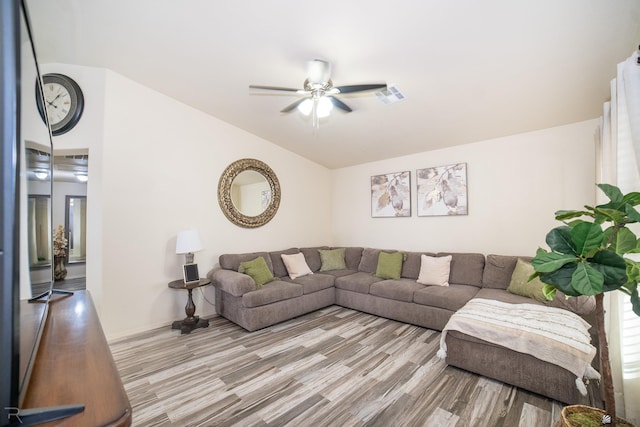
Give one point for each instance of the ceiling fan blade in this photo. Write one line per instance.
(360, 88)
(293, 106)
(286, 89)
(339, 104)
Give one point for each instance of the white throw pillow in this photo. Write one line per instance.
(434, 270)
(296, 265)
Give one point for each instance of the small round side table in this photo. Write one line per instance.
(190, 322)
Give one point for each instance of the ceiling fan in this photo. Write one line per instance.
(320, 93)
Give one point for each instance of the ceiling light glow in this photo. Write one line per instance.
(41, 174)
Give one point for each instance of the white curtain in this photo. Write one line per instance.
(618, 163)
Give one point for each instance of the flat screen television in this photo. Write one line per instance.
(26, 267)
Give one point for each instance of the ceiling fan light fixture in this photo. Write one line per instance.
(324, 107)
(318, 71)
(306, 106)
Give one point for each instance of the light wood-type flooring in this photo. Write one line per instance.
(332, 367)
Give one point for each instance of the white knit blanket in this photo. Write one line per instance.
(551, 334)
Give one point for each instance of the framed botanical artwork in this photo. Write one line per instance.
(442, 190)
(391, 195)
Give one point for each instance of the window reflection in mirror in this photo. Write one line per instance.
(76, 226)
(38, 210)
(39, 230)
(250, 193)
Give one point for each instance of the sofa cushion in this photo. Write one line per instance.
(504, 296)
(399, 290)
(411, 264)
(332, 259)
(313, 257)
(451, 297)
(232, 282)
(498, 270)
(296, 265)
(369, 261)
(258, 270)
(521, 285)
(339, 273)
(466, 268)
(356, 282)
(389, 265)
(352, 257)
(315, 282)
(232, 261)
(277, 264)
(274, 291)
(434, 270)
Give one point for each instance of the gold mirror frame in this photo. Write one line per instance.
(224, 193)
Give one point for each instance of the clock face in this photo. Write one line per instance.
(58, 101)
(61, 100)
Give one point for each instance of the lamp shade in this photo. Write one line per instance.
(188, 241)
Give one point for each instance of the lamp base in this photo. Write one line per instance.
(188, 257)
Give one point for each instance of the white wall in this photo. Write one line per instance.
(515, 184)
(161, 162)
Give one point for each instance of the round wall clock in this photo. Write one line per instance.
(63, 100)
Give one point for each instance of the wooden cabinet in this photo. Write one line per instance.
(74, 366)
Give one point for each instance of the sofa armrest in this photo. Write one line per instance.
(232, 282)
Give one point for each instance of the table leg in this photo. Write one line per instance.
(191, 322)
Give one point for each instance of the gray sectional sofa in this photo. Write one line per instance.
(472, 275)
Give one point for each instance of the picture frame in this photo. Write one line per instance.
(190, 273)
(391, 195)
(442, 190)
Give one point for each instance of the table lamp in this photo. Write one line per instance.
(187, 243)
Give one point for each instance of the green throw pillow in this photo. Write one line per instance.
(389, 265)
(520, 284)
(258, 270)
(332, 259)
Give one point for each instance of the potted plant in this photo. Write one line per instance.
(587, 257)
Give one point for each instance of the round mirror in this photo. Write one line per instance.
(249, 193)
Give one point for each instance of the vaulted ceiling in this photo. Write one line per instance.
(469, 70)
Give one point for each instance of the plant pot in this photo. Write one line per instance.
(59, 269)
(586, 416)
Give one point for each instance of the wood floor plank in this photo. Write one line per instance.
(332, 367)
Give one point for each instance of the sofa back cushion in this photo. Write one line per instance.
(466, 268)
(313, 257)
(411, 265)
(279, 269)
(232, 261)
(369, 261)
(352, 257)
(498, 270)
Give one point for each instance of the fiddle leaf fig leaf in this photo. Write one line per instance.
(624, 241)
(559, 240)
(632, 213)
(632, 198)
(612, 267)
(561, 279)
(549, 292)
(613, 215)
(586, 280)
(565, 215)
(587, 237)
(547, 262)
(635, 301)
(612, 192)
